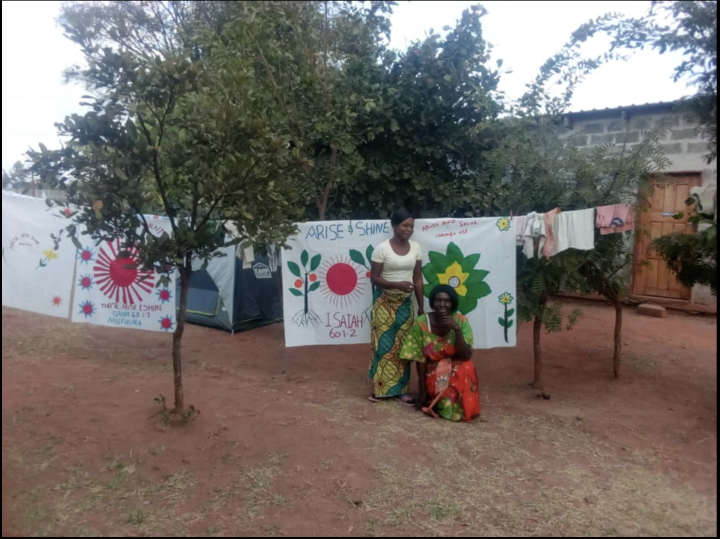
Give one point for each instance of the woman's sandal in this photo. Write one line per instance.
(407, 400)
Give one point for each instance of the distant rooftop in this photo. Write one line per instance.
(662, 106)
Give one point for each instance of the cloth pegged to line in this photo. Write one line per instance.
(615, 219)
(575, 230)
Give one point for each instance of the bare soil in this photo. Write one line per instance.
(287, 444)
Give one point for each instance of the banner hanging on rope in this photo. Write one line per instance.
(111, 290)
(38, 259)
(328, 293)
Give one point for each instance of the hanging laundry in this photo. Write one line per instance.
(706, 199)
(615, 219)
(575, 230)
(549, 247)
(534, 234)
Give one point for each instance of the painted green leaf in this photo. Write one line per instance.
(501, 321)
(476, 277)
(479, 290)
(296, 293)
(510, 323)
(315, 263)
(294, 269)
(369, 253)
(429, 273)
(438, 261)
(304, 258)
(428, 288)
(510, 313)
(357, 257)
(467, 305)
(470, 262)
(454, 254)
(314, 287)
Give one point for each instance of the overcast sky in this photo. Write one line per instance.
(525, 35)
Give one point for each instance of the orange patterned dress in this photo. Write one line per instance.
(457, 379)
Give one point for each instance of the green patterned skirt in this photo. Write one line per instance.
(392, 317)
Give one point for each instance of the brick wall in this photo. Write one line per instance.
(681, 141)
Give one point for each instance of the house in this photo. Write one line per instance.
(650, 279)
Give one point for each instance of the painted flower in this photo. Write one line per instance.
(458, 271)
(455, 277)
(50, 255)
(506, 298)
(503, 224)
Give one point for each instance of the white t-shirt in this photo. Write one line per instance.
(397, 269)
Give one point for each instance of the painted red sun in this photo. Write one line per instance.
(342, 283)
(120, 279)
(57, 301)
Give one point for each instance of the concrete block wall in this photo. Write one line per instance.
(681, 141)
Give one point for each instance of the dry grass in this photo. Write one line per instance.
(520, 475)
(519, 493)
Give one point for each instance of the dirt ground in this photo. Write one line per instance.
(287, 445)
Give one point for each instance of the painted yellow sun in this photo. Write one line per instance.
(50, 255)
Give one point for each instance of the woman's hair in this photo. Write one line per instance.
(399, 217)
(445, 289)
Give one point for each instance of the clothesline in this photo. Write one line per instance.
(549, 234)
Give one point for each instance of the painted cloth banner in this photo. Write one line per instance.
(38, 259)
(110, 290)
(328, 293)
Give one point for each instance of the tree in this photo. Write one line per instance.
(316, 60)
(191, 139)
(16, 177)
(21, 179)
(692, 257)
(432, 127)
(545, 169)
(689, 27)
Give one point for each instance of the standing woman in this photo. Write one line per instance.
(396, 274)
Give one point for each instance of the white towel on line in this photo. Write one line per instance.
(575, 230)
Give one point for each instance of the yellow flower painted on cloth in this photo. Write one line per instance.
(503, 224)
(455, 269)
(506, 322)
(455, 277)
(506, 298)
(48, 255)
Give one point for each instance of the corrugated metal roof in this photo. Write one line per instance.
(612, 110)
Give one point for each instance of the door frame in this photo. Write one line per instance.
(637, 244)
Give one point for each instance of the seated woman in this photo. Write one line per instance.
(441, 344)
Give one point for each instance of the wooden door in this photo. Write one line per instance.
(652, 276)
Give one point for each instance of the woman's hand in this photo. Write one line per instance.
(449, 322)
(406, 287)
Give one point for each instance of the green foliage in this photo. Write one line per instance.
(431, 128)
(171, 129)
(318, 62)
(692, 257)
(689, 27)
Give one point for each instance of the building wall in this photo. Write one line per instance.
(682, 144)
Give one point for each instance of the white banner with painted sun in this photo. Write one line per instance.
(328, 293)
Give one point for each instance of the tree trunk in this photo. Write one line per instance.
(537, 349)
(617, 357)
(177, 339)
(537, 331)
